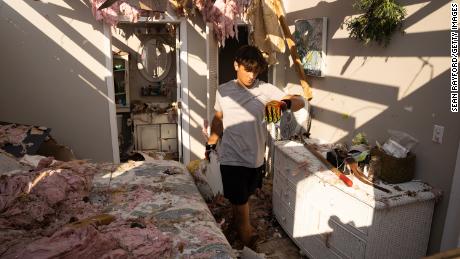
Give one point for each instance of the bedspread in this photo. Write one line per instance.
(167, 194)
(82, 210)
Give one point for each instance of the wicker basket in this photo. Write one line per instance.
(392, 169)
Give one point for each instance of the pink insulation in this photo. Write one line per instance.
(30, 197)
(13, 134)
(148, 242)
(112, 14)
(68, 242)
(36, 208)
(222, 14)
(54, 211)
(117, 240)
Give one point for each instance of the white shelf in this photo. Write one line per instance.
(121, 81)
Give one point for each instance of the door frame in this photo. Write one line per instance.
(111, 92)
(451, 234)
(183, 136)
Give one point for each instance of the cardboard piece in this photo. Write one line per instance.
(51, 148)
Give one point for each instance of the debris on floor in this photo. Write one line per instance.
(270, 233)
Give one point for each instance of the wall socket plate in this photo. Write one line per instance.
(438, 132)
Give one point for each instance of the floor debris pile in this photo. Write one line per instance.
(270, 234)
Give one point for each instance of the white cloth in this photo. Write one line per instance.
(245, 131)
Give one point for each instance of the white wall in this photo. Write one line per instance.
(451, 235)
(197, 72)
(53, 73)
(404, 86)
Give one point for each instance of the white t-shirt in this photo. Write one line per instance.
(245, 131)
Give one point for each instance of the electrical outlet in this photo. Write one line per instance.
(438, 132)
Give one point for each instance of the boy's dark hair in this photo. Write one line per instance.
(251, 59)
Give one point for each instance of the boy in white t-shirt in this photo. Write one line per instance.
(243, 107)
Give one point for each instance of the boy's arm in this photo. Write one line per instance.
(216, 132)
(297, 102)
(216, 128)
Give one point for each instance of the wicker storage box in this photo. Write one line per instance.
(392, 169)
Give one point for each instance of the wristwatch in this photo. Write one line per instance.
(288, 103)
(210, 146)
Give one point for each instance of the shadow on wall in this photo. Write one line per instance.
(414, 112)
(66, 72)
(396, 113)
(340, 10)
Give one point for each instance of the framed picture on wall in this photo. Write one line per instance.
(310, 37)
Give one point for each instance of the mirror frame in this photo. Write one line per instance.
(164, 45)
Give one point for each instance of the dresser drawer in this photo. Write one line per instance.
(284, 162)
(289, 195)
(285, 189)
(315, 247)
(340, 239)
(327, 219)
(279, 181)
(169, 145)
(354, 214)
(284, 216)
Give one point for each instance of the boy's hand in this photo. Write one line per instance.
(273, 110)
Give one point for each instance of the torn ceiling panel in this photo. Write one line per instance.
(148, 5)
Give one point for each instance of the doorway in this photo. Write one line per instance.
(147, 114)
(226, 55)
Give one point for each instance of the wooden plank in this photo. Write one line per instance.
(450, 254)
(293, 50)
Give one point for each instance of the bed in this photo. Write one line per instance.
(133, 210)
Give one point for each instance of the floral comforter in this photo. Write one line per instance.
(77, 209)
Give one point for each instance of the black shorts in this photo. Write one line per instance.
(240, 182)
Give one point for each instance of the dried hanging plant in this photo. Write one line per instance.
(380, 20)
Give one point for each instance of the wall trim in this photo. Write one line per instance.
(111, 92)
(451, 234)
(185, 109)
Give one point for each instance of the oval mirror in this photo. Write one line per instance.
(154, 59)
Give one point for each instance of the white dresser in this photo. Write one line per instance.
(327, 219)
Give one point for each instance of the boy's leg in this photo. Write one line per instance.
(243, 225)
(239, 183)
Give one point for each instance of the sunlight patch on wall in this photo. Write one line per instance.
(198, 65)
(293, 6)
(348, 109)
(406, 73)
(426, 70)
(196, 99)
(425, 22)
(59, 37)
(198, 147)
(96, 89)
(195, 118)
(197, 28)
(132, 42)
(325, 132)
